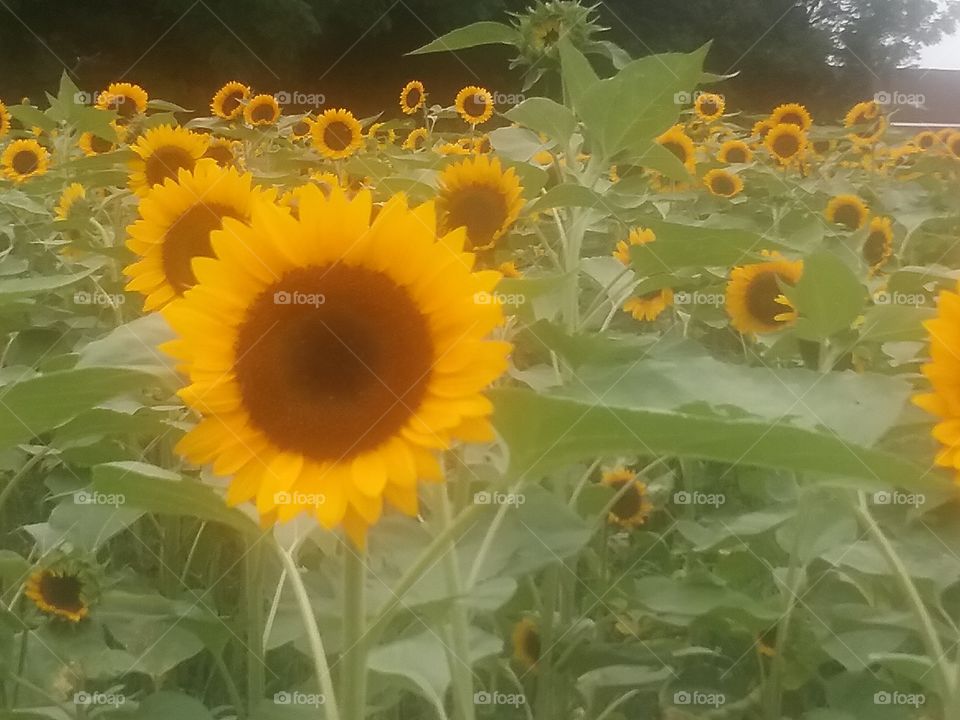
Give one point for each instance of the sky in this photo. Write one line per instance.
(944, 55)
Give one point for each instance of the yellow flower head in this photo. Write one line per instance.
(229, 100)
(709, 106)
(847, 210)
(261, 110)
(337, 134)
(479, 195)
(681, 145)
(637, 236)
(792, 114)
(474, 104)
(161, 153)
(633, 507)
(735, 152)
(754, 300)
(723, 183)
(125, 99)
(787, 143)
(412, 97)
(24, 159)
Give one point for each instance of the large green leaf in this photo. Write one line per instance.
(828, 297)
(479, 33)
(13, 288)
(545, 116)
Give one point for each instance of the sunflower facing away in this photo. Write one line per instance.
(637, 236)
(755, 302)
(847, 210)
(709, 106)
(228, 101)
(69, 197)
(477, 194)
(161, 153)
(412, 97)
(525, 639)
(878, 247)
(24, 159)
(261, 110)
(649, 306)
(474, 104)
(735, 152)
(62, 590)
(416, 139)
(723, 183)
(786, 142)
(337, 134)
(792, 114)
(4, 120)
(633, 507)
(174, 227)
(331, 357)
(125, 99)
(681, 145)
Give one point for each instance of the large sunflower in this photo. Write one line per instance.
(228, 101)
(755, 302)
(878, 247)
(636, 236)
(792, 114)
(125, 99)
(474, 104)
(337, 134)
(332, 357)
(412, 97)
(681, 145)
(847, 210)
(723, 183)
(525, 639)
(786, 142)
(161, 153)
(24, 159)
(709, 106)
(4, 120)
(174, 227)
(477, 194)
(648, 307)
(62, 589)
(735, 152)
(633, 507)
(261, 110)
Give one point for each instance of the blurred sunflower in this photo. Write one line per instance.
(68, 198)
(482, 145)
(474, 104)
(861, 113)
(792, 114)
(866, 123)
(723, 183)
(633, 508)
(649, 306)
(709, 106)
(228, 101)
(337, 134)
(878, 247)
(261, 110)
(636, 236)
(735, 152)
(92, 144)
(416, 139)
(453, 148)
(526, 644)
(4, 120)
(24, 159)
(823, 147)
(755, 302)
(509, 270)
(787, 143)
(680, 145)
(331, 358)
(301, 128)
(925, 140)
(63, 588)
(161, 152)
(953, 144)
(223, 151)
(412, 97)
(174, 227)
(761, 128)
(125, 99)
(847, 210)
(479, 195)
(381, 135)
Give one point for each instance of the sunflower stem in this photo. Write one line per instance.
(353, 688)
(253, 576)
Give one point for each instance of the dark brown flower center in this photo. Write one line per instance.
(531, 645)
(875, 248)
(337, 136)
(125, 107)
(761, 297)
(678, 150)
(709, 108)
(25, 162)
(479, 208)
(926, 141)
(263, 112)
(475, 105)
(786, 146)
(793, 118)
(189, 238)
(631, 502)
(165, 162)
(100, 145)
(64, 592)
(723, 185)
(413, 97)
(231, 102)
(301, 128)
(736, 154)
(221, 153)
(848, 215)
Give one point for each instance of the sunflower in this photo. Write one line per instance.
(709, 106)
(331, 358)
(337, 134)
(823, 147)
(648, 307)
(735, 152)
(761, 128)
(160, 154)
(474, 104)
(878, 247)
(24, 159)
(479, 195)
(92, 144)
(861, 113)
(723, 183)
(412, 97)
(301, 128)
(681, 145)
(174, 227)
(787, 143)
(755, 302)
(847, 210)
(261, 110)
(416, 139)
(73, 193)
(4, 120)
(923, 140)
(223, 151)
(526, 644)
(453, 148)
(381, 135)
(125, 99)
(866, 122)
(792, 114)
(62, 589)
(953, 144)
(229, 100)
(633, 507)
(482, 145)
(637, 236)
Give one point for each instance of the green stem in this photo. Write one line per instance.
(253, 576)
(545, 710)
(231, 686)
(353, 687)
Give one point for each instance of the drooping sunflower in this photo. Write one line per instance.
(479, 195)
(709, 106)
(723, 183)
(525, 639)
(337, 134)
(223, 151)
(24, 159)
(861, 113)
(637, 236)
(174, 227)
(847, 210)
(92, 144)
(412, 97)
(330, 357)
(923, 140)
(633, 508)
(301, 128)
(754, 300)
(474, 104)
(228, 101)
(63, 589)
(4, 120)
(735, 152)
(125, 99)
(878, 247)
(649, 306)
(261, 110)
(73, 193)
(787, 143)
(681, 145)
(161, 153)
(792, 114)
(416, 139)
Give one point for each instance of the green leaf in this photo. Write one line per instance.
(134, 345)
(20, 287)
(167, 704)
(828, 297)
(30, 116)
(578, 75)
(545, 116)
(478, 33)
(893, 323)
(570, 195)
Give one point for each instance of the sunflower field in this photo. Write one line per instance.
(600, 401)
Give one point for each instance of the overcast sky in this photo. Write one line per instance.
(944, 55)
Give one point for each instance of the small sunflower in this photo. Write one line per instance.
(63, 589)
(337, 134)
(953, 144)
(229, 100)
(923, 140)
(412, 97)
(648, 307)
(787, 143)
(125, 99)
(4, 120)
(633, 507)
(331, 358)
(416, 139)
(681, 145)
(861, 113)
(381, 135)
(866, 122)
(92, 144)
(24, 159)
(709, 106)
(878, 247)
(792, 114)
(261, 110)
(637, 236)
(723, 183)
(526, 644)
(161, 153)
(223, 151)
(474, 104)
(847, 210)
(73, 193)
(735, 152)
(479, 195)
(755, 302)
(482, 145)
(761, 128)
(823, 147)
(301, 128)
(176, 220)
